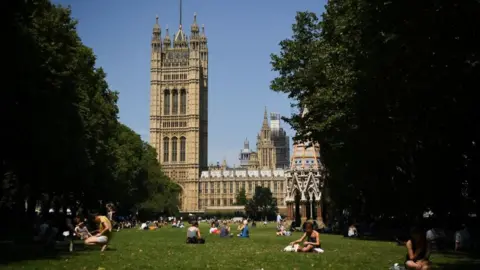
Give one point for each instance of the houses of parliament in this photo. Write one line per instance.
(179, 129)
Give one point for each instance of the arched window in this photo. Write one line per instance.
(166, 145)
(174, 149)
(175, 102)
(183, 101)
(166, 102)
(183, 146)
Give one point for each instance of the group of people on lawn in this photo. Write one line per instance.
(418, 249)
(417, 257)
(103, 235)
(194, 236)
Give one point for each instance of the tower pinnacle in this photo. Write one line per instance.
(265, 118)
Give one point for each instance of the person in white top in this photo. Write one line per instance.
(462, 239)
(81, 231)
(352, 231)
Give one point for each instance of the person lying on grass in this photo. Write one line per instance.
(104, 233)
(311, 237)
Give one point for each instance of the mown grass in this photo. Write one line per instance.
(166, 249)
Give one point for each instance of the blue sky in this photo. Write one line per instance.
(241, 36)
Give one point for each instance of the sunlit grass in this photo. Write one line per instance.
(166, 249)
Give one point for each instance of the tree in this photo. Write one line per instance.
(65, 146)
(262, 204)
(389, 88)
(241, 198)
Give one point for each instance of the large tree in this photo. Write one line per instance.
(241, 198)
(389, 87)
(62, 142)
(262, 204)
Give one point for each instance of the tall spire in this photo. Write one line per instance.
(265, 119)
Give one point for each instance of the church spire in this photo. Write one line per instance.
(265, 119)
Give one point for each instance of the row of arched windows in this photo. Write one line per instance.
(172, 98)
(171, 151)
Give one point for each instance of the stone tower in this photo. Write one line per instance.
(266, 150)
(179, 106)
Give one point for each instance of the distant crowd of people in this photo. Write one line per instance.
(419, 243)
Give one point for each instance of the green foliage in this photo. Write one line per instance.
(241, 198)
(262, 204)
(389, 87)
(63, 142)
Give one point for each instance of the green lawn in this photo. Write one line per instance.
(166, 249)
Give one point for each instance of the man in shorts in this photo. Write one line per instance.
(104, 233)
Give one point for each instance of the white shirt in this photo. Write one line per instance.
(279, 218)
(463, 238)
(434, 234)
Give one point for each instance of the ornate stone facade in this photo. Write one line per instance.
(179, 106)
(219, 186)
(179, 128)
(305, 181)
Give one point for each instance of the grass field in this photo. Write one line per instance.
(166, 249)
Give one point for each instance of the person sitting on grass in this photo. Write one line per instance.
(352, 231)
(281, 231)
(104, 233)
(193, 235)
(214, 229)
(417, 251)
(244, 231)
(81, 230)
(311, 237)
(225, 230)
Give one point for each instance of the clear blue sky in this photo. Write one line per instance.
(241, 36)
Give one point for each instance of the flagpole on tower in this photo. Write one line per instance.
(180, 13)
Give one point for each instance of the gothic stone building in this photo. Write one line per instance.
(219, 186)
(179, 128)
(179, 106)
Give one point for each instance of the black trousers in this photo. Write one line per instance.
(195, 240)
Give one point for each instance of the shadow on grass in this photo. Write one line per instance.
(10, 252)
(463, 265)
(458, 260)
(460, 263)
(473, 255)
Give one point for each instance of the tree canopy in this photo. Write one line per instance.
(262, 204)
(389, 87)
(241, 198)
(61, 140)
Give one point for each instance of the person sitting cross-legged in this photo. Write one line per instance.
(311, 237)
(104, 233)
(417, 251)
(244, 231)
(281, 230)
(193, 235)
(225, 230)
(81, 230)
